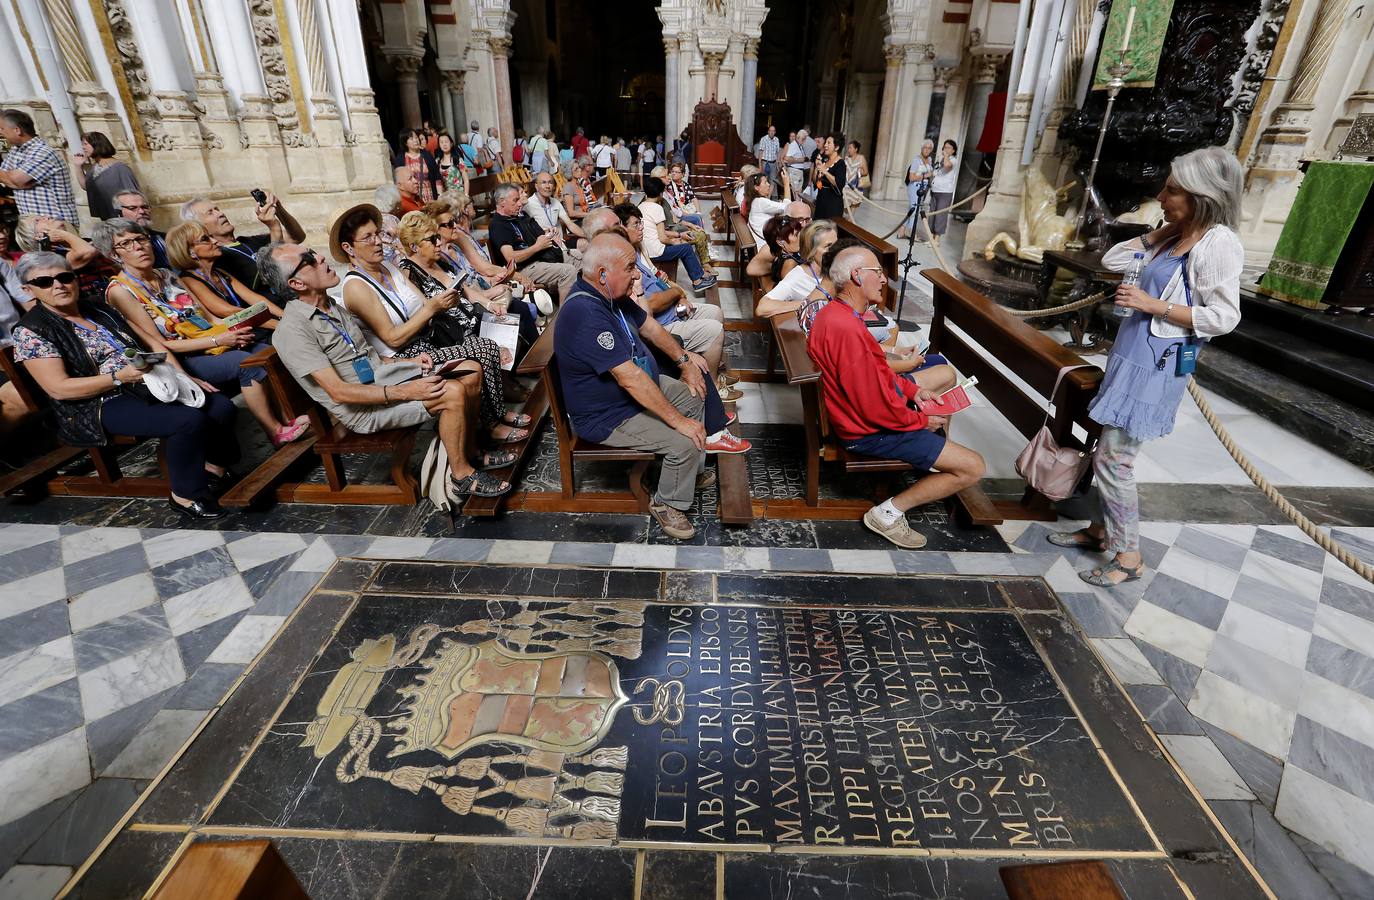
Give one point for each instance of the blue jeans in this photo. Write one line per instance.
(694, 219)
(685, 254)
(222, 369)
(770, 169)
(194, 436)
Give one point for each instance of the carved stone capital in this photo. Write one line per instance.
(500, 45)
(454, 79)
(713, 60)
(920, 53)
(985, 72)
(361, 100)
(405, 63)
(90, 99)
(751, 48)
(324, 107)
(894, 53)
(942, 76)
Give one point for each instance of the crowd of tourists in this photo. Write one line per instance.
(138, 332)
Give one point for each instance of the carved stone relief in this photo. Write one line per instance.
(263, 15)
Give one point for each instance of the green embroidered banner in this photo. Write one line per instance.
(1328, 202)
(1148, 31)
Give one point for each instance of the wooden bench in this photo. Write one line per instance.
(231, 870)
(987, 333)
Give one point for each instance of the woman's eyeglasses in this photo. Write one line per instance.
(431, 239)
(43, 282)
(445, 224)
(204, 239)
(308, 258)
(131, 243)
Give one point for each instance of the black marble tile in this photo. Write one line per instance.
(61, 510)
(260, 578)
(84, 824)
(348, 575)
(120, 636)
(678, 875)
(420, 520)
(31, 560)
(108, 736)
(16, 836)
(128, 866)
(1177, 673)
(1163, 710)
(1029, 593)
(881, 590)
(688, 587)
(196, 646)
(503, 580)
(194, 571)
(206, 686)
(548, 526)
(385, 870)
(183, 796)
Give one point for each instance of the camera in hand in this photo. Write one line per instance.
(45, 244)
(259, 196)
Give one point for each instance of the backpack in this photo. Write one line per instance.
(484, 158)
(517, 153)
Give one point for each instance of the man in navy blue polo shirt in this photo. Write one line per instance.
(612, 387)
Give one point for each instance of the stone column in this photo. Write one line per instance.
(825, 105)
(93, 106)
(671, 58)
(1000, 212)
(454, 79)
(951, 124)
(691, 90)
(1282, 143)
(534, 94)
(860, 108)
(505, 110)
(18, 87)
(748, 100)
(983, 78)
(370, 159)
(712, 61)
(405, 62)
(882, 153)
(920, 58)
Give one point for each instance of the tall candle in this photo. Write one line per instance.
(1130, 21)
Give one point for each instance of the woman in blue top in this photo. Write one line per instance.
(1189, 292)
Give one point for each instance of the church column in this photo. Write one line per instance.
(691, 90)
(671, 61)
(712, 60)
(505, 109)
(454, 80)
(748, 100)
(920, 60)
(93, 107)
(370, 160)
(534, 94)
(20, 86)
(882, 153)
(1282, 143)
(983, 78)
(405, 62)
(951, 123)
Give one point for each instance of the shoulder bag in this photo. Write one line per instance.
(1048, 468)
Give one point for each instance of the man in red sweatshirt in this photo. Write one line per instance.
(871, 409)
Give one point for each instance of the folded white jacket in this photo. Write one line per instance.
(171, 385)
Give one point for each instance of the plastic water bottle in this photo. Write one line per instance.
(1132, 278)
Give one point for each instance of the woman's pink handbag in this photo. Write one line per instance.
(1050, 469)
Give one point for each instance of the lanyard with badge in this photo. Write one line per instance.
(158, 299)
(391, 298)
(1185, 361)
(105, 335)
(641, 359)
(362, 366)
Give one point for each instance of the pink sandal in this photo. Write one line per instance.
(288, 433)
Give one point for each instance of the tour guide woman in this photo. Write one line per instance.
(1189, 291)
(75, 351)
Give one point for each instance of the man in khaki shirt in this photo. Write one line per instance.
(323, 348)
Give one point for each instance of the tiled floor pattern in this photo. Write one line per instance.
(1250, 653)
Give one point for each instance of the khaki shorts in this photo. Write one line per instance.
(394, 415)
(701, 330)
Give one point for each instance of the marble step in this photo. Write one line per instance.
(1349, 333)
(1320, 418)
(1310, 360)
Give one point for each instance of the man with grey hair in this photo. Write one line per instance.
(238, 257)
(545, 209)
(613, 391)
(325, 350)
(798, 161)
(516, 237)
(875, 413)
(134, 206)
(38, 176)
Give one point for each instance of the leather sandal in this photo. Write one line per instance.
(514, 436)
(517, 420)
(498, 459)
(1077, 539)
(1099, 577)
(479, 484)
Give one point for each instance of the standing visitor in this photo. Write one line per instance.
(420, 162)
(918, 176)
(102, 176)
(942, 187)
(798, 162)
(830, 177)
(603, 156)
(34, 171)
(767, 152)
(452, 176)
(856, 180)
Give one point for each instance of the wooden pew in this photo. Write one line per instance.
(1034, 357)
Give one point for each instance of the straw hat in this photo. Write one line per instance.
(335, 244)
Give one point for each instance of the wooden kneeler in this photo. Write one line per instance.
(231, 870)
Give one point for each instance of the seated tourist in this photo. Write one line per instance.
(680, 196)
(134, 206)
(401, 322)
(516, 237)
(93, 270)
(871, 410)
(548, 212)
(325, 350)
(238, 259)
(696, 235)
(758, 204)
(781, 250)
(614, 392)
(662, 245)
(165, 315)
(578, 196)
(746, 172)
(415, 156)
(387, 198)
(700, 327)
(409, 188)
(195, 256)
(75, 351)
(797, 285)
(14, 302)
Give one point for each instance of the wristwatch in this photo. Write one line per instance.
(114, 378)
(682, 360)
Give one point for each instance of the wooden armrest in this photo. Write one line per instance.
(261, 358)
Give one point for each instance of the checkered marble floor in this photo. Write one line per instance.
(1248, 651)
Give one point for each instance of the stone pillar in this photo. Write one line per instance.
(671, 61)
(534, 94)
(920, 58)
(93, 107)
(951, 124)
(825, 105)
(860, 110)
(748, 99)
(712, 61)
(505, 110)
(984, 76)
(370, 156)
(454, 80)
(691, 90)
(1282, 143)
(18, 84)
(882, 153)
(1001, 210)
(405, 62)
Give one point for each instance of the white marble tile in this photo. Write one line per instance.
(1163, 532)
(318, 557)
(1327, 815)
(986, 430)
(210, 603)
(1348, 630)
(174, 545)
(21, 537)
(1126, 661)
(1170, 632)
(263, 548)
(132, 678)
(645, 556)
(34, 882)
(878, 562)
(96, 541)
(249, 636)
(1285, 458)
(1200, 573)
(534, 553)
(747, 559)
(1338, 708)
(1266, 634)
(1285, 576)
(751, 408)
(36, 669)
(111, 601)
(1063, 578)
(151, 748)
(1243, 713)
(41, 774)
(1012, 530)
(399, 548)
(1235, 532)
(30, 593)
(1335, 569)
(1206, 768)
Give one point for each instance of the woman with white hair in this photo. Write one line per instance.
(1188, 292)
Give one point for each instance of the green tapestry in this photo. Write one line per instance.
(1329, 200)
(1147, 41)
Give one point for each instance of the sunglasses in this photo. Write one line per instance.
(445, 224)
(308, 258)
(431, 239)
(43, 282)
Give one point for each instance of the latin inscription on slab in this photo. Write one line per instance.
(725, 724)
